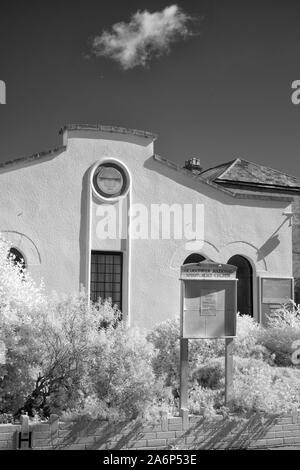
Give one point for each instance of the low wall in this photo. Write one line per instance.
(258, 431)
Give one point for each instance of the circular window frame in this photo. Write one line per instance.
(101, 195)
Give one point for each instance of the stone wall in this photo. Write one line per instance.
(258, 431)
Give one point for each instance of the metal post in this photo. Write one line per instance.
(184, 374)
(228, 370)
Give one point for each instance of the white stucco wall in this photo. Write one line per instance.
(48, 212)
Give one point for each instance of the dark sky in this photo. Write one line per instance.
(222, 94)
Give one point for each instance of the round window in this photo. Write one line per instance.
(110, 180)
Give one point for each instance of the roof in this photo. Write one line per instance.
(35, 156)
(239, 193)
(237, 178)
(114, 129)
(78, 127)
(212, 173)
(241, 173)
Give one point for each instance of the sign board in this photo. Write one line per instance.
(208, 311)
(207, 270)
(274, 293)
(209, 305)
(275, 290)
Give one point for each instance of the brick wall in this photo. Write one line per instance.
(258, 431)
(8, 436)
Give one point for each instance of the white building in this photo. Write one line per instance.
(58, 210)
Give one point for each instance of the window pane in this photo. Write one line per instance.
(106, 277)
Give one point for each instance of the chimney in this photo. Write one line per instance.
(194, 165)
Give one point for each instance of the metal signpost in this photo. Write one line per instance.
(208, 311)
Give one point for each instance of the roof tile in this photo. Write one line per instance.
(244, 172)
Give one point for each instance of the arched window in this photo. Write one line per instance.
(194, 258)
(18, 257)
(244, 286)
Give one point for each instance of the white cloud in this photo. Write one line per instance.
(146, 36)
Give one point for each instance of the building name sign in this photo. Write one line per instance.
(195, 273)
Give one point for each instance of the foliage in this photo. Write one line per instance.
(261, 387)
(58, 354)
(76, 358)
(72, 357)
(210, 375)
(18, 291)
(6, 418)
(20, 299)
(165, 339)
(282, 330)
(120, 372)
(205, 401)
(257, 386)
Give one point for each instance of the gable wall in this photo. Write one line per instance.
(47, 204)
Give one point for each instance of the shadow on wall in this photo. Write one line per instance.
(229, 434)
(201, 433)
(117, 435)
(84, 220)
(270, 245)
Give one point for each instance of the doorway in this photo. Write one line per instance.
(194, 258)
(245, 284)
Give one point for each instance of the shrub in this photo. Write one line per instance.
(261, 387)
(65, 355)
(20, 300)
(257, 387)
(67, 330)
(165, 339)
(210, 375)
(247, 342)
(205, 401)
(56, 353)
(18, 292)
(258, 384)
(121, 373)
(6, 418)
(282, 330)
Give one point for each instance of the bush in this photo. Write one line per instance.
(18, 292)
(210, 375)
(282, 330)
(68, 356)
(59, 354)
(6, 418)
(121, 374)
(258, 384)
(165, 339)
(257, 387)
(205, 401)
(261, 387)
